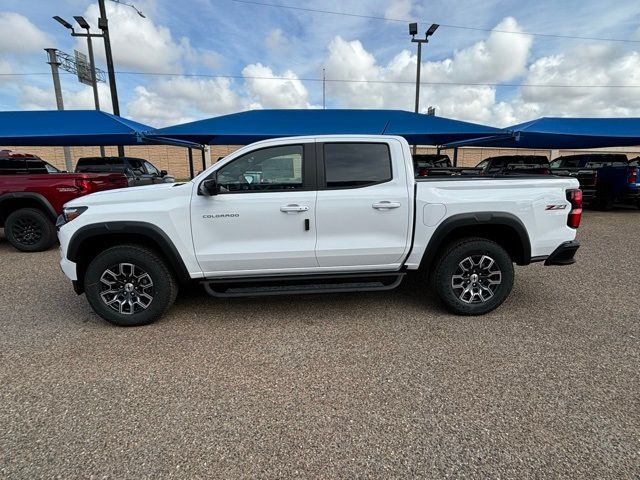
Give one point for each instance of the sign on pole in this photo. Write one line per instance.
(83, 68)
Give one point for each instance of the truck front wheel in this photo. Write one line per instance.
(473, 276)
(129, 285)
(30, 230)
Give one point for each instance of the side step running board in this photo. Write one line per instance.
(302, 284)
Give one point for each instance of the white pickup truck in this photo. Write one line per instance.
(315, 214)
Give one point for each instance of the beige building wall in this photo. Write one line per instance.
(175, 159)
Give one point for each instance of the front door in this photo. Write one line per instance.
(363, 212)
(261, 220)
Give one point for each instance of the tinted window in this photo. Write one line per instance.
(35, 165)
(12, 166)
(356, 164)
(267, 169)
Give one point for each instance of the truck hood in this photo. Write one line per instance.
(144, 193)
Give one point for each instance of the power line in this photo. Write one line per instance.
(342, 80)
(460, 27)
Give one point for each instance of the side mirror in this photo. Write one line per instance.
(163, 173)
(208, 187)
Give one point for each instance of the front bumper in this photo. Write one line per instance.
(564, 254)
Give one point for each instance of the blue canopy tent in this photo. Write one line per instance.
(251, 126)
(563, 133)
(69, 128)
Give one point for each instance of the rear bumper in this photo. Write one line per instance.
(631, 195)
(564, 254)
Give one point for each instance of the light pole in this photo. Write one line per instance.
(92, 65)
(413, 31)
(103, 24)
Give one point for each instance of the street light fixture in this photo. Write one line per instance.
(63, 22)
(413, 31)
(130, 5)
(92, 64)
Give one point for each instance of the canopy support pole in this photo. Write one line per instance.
(191, 164)
(204, 160)
(455, 156)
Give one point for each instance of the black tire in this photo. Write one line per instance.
(30, 230)
(485, 294)
(126, 288)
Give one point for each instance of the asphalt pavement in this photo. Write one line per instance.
(376, 385)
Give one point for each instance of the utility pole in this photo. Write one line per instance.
(413, 31)
(324, 81)
(103, 24)
(53, 61)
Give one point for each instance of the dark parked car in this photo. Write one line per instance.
(515, 164)
(615, 179)
(137, 170)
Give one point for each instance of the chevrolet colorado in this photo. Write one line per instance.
(315, 214)
(32, 193)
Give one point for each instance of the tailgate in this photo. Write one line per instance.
(106, 181)
(586, 177)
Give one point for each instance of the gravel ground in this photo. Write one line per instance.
(353, 385)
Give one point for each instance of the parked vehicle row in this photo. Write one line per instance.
(313, 215)
(604, 178)
(33, 192)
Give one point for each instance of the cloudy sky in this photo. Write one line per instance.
(192, 59)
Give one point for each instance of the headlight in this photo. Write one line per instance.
(71, 213)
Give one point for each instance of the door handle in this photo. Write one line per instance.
(386, 205)
(294, 208)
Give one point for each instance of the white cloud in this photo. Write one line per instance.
(140, 44)
(36, 98)
(18, 35)
(286, 92)
(399, 9)
(277, 41)
(181, 99)
(592, 67)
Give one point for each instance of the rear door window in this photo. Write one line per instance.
(354, 165)
(36, 165)
(13, 166)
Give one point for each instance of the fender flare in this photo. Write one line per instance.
(477, 219)
(41, 199)
(153, 232)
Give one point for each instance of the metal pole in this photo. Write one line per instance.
(417, 109)
(103, 24)
(191, 175)
(53, 61)
(204, 160)
(324, 78)
(94, 81)
(455, 156)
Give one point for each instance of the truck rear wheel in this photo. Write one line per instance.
(129, 285)
(473, 276)
(30, 230)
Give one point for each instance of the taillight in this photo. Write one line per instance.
(633, 174)
(574, 196)
(424, 172)
(546, 171)
(84, 186)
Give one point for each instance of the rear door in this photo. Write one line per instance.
(363, 214)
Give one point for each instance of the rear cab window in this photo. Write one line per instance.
(356, 165)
